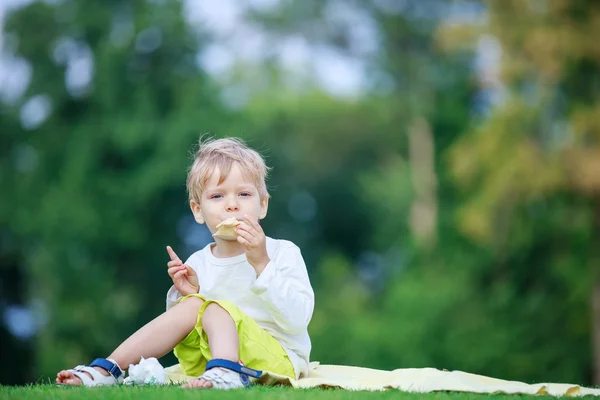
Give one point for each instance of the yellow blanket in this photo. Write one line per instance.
(420, 380)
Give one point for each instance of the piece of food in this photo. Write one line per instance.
(226, 229)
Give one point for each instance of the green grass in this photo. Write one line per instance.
(46, 391)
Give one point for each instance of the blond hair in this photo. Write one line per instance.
(220, 154)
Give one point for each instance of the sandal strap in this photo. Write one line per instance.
(109, 365)
(227, 364)
(78, 371)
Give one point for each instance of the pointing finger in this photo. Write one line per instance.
(172, 254)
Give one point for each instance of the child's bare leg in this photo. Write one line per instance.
(223, 338)
(159, 336)
(155, 339)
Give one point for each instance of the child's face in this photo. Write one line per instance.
(234, 197)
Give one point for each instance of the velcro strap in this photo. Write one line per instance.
(109, 366)
(219, 362)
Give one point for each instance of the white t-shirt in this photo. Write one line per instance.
(281, 300)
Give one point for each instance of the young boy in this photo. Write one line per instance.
(241, 304)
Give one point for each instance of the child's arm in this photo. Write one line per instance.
(281, 283)
(285, 288)
(185, 279)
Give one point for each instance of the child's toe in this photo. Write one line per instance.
(196, 383)
(67, 378)
(62, 376)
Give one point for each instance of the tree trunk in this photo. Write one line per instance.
(424, 210)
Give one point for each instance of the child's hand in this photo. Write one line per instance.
(184, 277)
(251, 235)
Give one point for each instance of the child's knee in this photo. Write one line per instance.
(193, 302)
(213, 311)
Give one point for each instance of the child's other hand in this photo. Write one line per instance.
(184, 277)
(251, 235)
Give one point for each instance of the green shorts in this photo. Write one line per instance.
(258, 349)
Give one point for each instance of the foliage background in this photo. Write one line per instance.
(438, 163)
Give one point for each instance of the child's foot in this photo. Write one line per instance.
(220, 378)
(66, 377)
(198, 383)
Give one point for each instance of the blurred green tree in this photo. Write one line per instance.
(532, 173)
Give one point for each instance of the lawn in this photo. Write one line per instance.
(47, 392)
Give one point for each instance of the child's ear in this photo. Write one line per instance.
(264, 206)
(197, 211)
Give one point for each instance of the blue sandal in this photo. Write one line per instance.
(225, 374)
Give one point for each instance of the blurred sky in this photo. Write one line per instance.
(236, 37)
(235, 40)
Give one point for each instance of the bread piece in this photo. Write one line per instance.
(226, 229)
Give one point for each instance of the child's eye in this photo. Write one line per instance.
(215, 196)
(245, 194)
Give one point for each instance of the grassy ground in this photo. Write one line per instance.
(45, 392)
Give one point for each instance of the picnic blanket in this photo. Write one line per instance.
(421, 380)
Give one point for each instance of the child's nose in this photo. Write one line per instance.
(232, 205)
